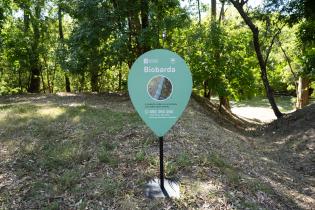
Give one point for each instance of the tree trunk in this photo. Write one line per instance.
(213, 10)
(264, 77)
(94, 80)
(119, 80)
(61, 37)
(53, 77)
(144, 24)
(129, 60)
(224, 101)
(207, 91)
(48, 82)
(205, 88)
(47, 75)
(20, 80)
(302, 93)
(60, 27)
(34, 86)
(222, 12)
(262, 63)
(290, 66)
(67, 80)
(199, 12)
(43, 81)
(82, 82)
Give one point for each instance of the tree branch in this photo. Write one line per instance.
(271, 44)
(288, 60)
(263, 70)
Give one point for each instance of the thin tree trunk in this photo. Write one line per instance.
(82, 81)
(129, 62)
(61, 37)
(26, 21)
(224, 101)
(34, 86)
(289, 63)
(213, 10)
(199, 12)
(94, 82)
(48, 81)
(262, 63)
(20, 80)
(94, 77)
(119, 80)
(43, 82)
(302, 94)
(60, 27)
(53, 77)
(34, 79)
(206, 90)
(145, 24)
(222, 12)
(67, 81)
(290, 67)
(47, 75)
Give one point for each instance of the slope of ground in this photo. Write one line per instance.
(293, 138)
(93, 151)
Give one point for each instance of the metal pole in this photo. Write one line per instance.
(161, 164)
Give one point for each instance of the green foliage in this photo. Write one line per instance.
(306, 37)
(221, 56)
(301, 14)
(103, 38)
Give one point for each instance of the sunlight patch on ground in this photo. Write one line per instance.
(52, 112)
(76, 104)
(262, 114)
(65, 94)
(302, 200)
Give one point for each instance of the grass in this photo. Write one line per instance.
(52, 206)
(56, 142)
(231, 173)
(235, 178)
(68, 179)
(284, 103)
(105, 153)
(88, 157)
(140, 155)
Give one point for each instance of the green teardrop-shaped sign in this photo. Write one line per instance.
(159, 85)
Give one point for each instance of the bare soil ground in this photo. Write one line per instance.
(85, 151)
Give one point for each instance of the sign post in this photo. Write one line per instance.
(159, 85)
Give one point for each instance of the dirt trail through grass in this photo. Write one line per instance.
(93, 151)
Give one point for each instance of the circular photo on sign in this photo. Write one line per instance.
(160, 88)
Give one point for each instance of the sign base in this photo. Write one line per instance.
(153, 189)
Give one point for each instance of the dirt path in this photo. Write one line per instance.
(264, 115)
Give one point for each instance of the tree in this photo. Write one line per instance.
(239, 5)
(35, 68)
(61, 37)
(301, 13)
(306, 35)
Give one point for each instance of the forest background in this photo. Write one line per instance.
(236, 49)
